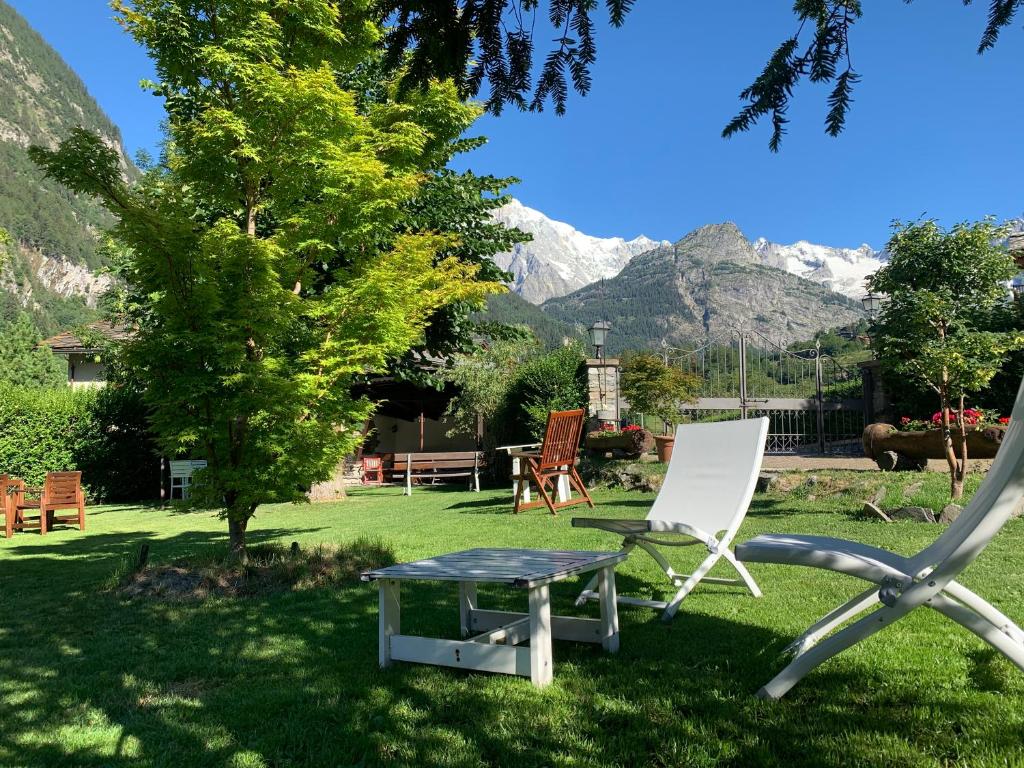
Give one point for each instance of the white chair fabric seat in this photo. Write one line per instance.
(707, 491)
(849, 557)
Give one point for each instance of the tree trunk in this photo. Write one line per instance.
(957, 485)
(947, 440)
(236, 534)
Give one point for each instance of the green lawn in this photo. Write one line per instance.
(88, 678)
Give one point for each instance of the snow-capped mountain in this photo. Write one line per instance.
(560, 259)
(843, 270)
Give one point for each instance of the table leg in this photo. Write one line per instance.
(517, 465)
(609, 609)
(541, 668)
(390, 619)
(564, 493)
(467, 602)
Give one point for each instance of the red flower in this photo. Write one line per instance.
(904, 420)
(1004, 419)
(632, 428)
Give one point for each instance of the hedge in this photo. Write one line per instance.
(101, 432)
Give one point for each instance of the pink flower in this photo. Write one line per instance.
(904, 420)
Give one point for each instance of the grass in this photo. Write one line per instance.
(290, 678)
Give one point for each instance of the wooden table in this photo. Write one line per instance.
(492, 637)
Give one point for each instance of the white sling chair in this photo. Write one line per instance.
(901, 584)
(707, 490)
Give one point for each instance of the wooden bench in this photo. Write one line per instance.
(438, 466)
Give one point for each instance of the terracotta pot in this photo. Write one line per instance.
(665, 444)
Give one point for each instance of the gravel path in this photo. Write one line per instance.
(856, 463)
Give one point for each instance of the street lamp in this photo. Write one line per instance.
(872, 303)
(598, 335)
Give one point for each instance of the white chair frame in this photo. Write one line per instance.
(701, 490)
(901, 584)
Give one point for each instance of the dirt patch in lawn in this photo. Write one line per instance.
(270, 568)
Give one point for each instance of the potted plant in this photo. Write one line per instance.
(651, 386)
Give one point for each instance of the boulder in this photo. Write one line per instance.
(891, 461)
(766, 481)
(874, 512)
(949, 513)
(918, 514)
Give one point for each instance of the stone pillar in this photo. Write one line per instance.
(877, 406)
(604, 402)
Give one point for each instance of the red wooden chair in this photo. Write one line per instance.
(373, 470)
(7, 503)
(556, 459)
(60, 491)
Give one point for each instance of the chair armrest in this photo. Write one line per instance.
(621, 527)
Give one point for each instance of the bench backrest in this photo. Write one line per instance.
(439, 460)
(561, 438)
(63, 487)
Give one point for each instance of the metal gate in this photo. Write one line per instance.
(814, 404)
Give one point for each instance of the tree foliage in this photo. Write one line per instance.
(512, 384)
(650, 386)
(22, 361)
(944, 287)
(473, 41)
(265, 257)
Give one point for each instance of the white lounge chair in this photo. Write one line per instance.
(707, 490)
(901, 584)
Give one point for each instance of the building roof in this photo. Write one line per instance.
(68, 342)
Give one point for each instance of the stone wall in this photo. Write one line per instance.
(605, 401)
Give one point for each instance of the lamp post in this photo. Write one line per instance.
(598, 336)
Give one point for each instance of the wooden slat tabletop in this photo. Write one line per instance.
(518, 567)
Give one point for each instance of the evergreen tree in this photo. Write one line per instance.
(476, 40)
(22, 361)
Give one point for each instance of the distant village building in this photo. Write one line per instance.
(86, 367)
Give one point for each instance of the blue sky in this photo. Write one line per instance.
(936, 130)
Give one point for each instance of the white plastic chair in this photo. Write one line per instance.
(901, 584)
(706, 492)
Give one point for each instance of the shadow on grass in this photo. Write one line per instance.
(292, 679)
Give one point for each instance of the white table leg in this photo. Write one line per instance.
(609, 609)
(390, 611)
(516, 468)
(563, 487)
(467, 602)
(541, 667)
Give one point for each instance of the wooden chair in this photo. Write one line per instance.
(373, 470)
(60, 491)
(555, 460)
(7, 503)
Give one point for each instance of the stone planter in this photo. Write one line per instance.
(630, 444)
(892, 449)
(665, 443)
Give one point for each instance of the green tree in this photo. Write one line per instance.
(484, 377)
(552, 381)
(263, 261)
(473, 41)
(22, 361)
(944, 287)
(651, 386)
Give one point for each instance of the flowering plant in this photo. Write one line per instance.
(973, 417)
(632, 428)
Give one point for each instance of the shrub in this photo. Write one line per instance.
(554, 381)
(100, 432)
